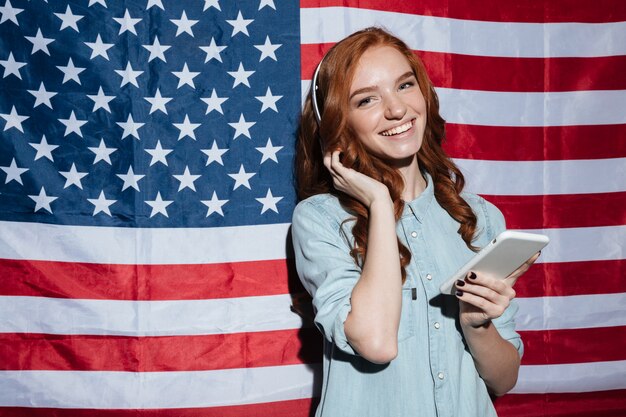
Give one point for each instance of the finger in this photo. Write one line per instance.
(523, 267)
(327, 161)
(335, 162)
(491, 310)
(493, 290)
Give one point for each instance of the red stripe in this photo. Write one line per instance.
(94, 281)
(535, 143)
(294, 408)
(489, 73)
(573, 345)
(494, 10)
(147, 282)
(579, 404)
(23, 351)
(562, 211)
(573, 278)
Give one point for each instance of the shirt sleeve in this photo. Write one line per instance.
(494, 225)
(326, 269)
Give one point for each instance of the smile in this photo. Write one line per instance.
(398, 129)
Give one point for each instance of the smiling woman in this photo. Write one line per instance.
(382, 223)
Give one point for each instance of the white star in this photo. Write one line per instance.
(127, 23)
(184, 24)
(158, 102)
(130, 179)
(186, 128)
(211, 3)
(156, 50)
(13, 173)
(269, 151)
(69, 19)
(73, 177)
(158, 154)
(130, 127)
(241, 75)
(92, 2)
(44, 149)
(214, 205)
(70, 72)
(100, 100)
(159, 205)
(212, 51)
(39, 42)
(268, 50)
(42, 96)
(186, 180)
(242, 127)
(264, 3)
(185, 77)
(11, 66)
(13, 120)
(269, 101)
(9, 13)
(269, 202)
(42, 201)
(73, 125)
(240, 25)
(214, 102)
(214, 154)
(99, 48)
(101, 204)
(157, 3)
(102, 153)
(242, 178)
(128, 75)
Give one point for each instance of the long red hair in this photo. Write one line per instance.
(332, 132)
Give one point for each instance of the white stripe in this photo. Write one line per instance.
(579, 244)
(122, 245)
(254, 314)
(586, 176)
(470, 37)
(146, 318)
(571, 312)
(104, 245)
(495, 108)
(577, 377)
(130, 390)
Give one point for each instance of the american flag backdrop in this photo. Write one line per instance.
(146, 190)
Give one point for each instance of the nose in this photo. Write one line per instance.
(395, 107)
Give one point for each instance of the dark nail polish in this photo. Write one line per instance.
(459, 293)
(472, 275)
(460, 283)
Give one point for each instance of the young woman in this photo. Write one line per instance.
(382, 223)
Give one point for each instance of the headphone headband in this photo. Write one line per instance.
(314, 88)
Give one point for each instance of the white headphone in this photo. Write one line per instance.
(314, 88)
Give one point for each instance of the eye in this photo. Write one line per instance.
(406, 85)
(364, 102)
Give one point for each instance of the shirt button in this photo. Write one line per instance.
(429, 277)
(440, 375)
(437, 325)
(413, 234)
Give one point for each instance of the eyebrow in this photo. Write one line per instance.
(372, 88)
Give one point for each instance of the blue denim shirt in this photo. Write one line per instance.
(433, 373)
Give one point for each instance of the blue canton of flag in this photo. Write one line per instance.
(149, 113)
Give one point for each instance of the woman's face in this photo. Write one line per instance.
(387, 110)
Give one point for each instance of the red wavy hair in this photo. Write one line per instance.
(334, 82)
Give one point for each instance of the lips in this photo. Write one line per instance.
(398, 129)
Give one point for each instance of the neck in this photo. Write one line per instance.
(414, 182)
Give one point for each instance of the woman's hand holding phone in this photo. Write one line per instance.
(365, 189)
(483, 298)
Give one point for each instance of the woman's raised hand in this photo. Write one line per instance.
(484, 298)
(357, 185)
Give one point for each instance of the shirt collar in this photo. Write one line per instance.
(419, 206)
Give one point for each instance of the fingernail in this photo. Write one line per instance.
(460, 283)
(472, 275)
(459, 293)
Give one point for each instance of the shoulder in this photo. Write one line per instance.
(321, 206)
(490, 219)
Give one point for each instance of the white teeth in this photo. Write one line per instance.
(398, 129)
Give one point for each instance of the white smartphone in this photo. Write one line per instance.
(503, 255)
